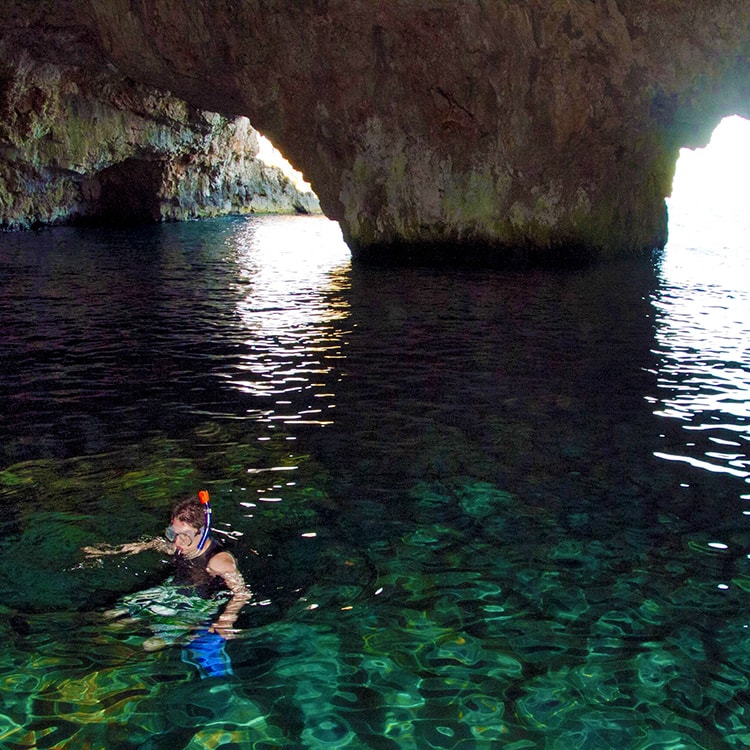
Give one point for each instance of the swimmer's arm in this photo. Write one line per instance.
(224, 565)
(131, 548)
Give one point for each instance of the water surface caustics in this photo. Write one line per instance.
(476, 508)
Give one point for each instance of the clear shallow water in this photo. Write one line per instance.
(477, 509)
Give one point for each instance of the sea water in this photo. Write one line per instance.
(477, 508)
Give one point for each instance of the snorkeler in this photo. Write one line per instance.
(204, 573)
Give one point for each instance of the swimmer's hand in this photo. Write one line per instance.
(108, 549)
(224, 627)
(224, 565)
(131, 548)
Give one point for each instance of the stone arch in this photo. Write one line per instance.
(539, 127)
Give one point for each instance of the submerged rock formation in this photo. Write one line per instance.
(532, 125)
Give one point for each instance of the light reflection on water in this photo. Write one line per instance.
(703, 341)
(477, 509)
(289, 296)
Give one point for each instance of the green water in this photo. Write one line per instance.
(477, 509)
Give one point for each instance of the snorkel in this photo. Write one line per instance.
(203, 497)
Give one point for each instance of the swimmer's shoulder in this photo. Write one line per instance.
(222, 562)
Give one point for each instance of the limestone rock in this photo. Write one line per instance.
(537, 126)
(80, 143)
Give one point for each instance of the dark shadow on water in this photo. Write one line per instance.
(479, 256)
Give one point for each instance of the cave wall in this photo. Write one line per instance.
(531, 126)
(81, 142)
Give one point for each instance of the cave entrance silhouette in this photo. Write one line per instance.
(271, 156)
(711, 191)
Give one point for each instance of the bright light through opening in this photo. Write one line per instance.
(701, 323)
(709, 202)
(270, 155)
(716, 178)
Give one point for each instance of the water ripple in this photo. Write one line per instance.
(703, 340)
(476, 509)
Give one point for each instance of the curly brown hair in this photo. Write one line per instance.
(191, 511)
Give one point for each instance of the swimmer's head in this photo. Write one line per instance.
(190, 511)
(191, 523)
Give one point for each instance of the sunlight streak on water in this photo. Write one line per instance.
(290, 279)
(703, 328)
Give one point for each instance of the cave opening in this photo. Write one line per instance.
(708, 206)
(270, 155)
(704, 272)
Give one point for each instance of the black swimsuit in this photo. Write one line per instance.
(193, 578)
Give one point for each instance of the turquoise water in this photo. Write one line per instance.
(477, 509)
